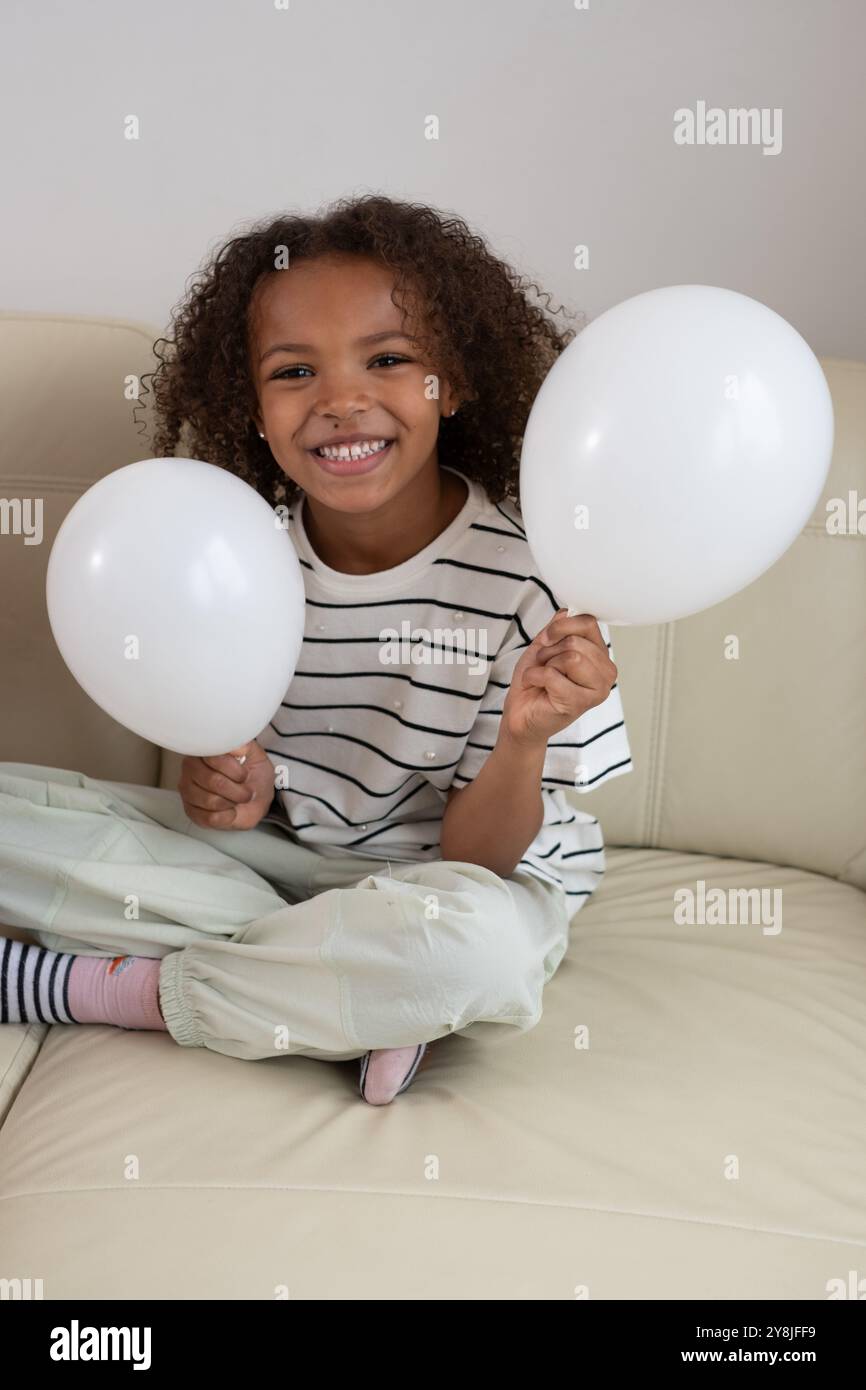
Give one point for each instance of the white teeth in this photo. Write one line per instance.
(352, 451)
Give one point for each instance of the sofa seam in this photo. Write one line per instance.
(32, 1029)
(448, 1196)
(654, 769)
(665, 685)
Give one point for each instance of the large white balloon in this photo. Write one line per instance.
(676, 449)
(176, 599)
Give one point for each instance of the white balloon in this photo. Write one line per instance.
(695, 426)
(176, 598)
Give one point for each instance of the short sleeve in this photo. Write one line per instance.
(594, 748)
(580, 757)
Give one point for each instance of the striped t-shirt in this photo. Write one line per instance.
(398, 692)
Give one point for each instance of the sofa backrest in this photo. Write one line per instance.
(66, 424)
(762, 757)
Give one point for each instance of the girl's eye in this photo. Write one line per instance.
(392, 357)
(285, 372)
(381, 358)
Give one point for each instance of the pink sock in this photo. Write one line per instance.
(123, 991)
(386, 1071)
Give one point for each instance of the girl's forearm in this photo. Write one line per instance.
(495, 818)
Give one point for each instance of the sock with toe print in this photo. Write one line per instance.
(386, 1071)
(42, 986)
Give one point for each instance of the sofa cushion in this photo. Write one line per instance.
(708, 1143)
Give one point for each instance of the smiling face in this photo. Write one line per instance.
(333, 356)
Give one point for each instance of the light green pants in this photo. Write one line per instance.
(269, 947)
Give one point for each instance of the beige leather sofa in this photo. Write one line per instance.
(709, 1143)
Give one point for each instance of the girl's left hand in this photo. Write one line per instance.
(564, 672)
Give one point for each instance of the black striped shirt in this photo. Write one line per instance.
(398, 693)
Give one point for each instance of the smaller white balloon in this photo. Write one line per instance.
(676, 449)
(176, 599)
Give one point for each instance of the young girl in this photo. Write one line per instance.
(369, 372)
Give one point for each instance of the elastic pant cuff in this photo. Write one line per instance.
(179, 1019)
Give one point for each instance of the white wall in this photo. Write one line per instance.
(556, 128)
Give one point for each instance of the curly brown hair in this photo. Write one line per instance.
(484, 334)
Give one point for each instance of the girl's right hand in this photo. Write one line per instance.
(221, 793)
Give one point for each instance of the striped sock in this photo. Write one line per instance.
(42, 986)
(34, 984)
